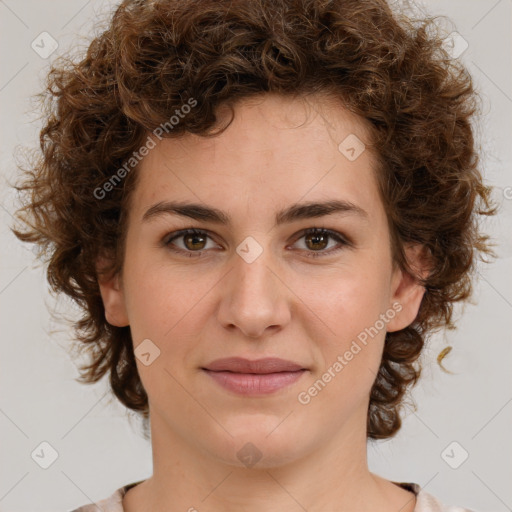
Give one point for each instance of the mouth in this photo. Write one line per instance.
(256, 377)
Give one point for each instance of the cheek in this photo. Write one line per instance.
(157, 301)
(350, 299)
(349, 350)
(164, 309)
(348, 322)
(166, 305)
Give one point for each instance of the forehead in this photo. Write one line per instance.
(275, 151)
(272, 123)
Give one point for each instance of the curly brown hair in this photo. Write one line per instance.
(386, 67)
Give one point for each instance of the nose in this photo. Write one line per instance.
(254, 298)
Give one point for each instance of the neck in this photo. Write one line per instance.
(332, 475)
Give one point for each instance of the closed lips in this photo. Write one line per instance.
(252, 378)
(259, 366)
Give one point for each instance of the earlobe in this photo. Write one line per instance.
(407, 290)
(112, 294)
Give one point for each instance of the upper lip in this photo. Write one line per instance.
(242, 365)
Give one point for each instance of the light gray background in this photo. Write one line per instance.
(98, 443)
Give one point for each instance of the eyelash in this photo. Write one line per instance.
(311, 231)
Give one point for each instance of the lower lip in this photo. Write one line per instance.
(253, 383)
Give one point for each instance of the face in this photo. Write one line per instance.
(254, 283)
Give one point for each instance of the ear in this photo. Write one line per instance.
(406, 290)
(112, 294)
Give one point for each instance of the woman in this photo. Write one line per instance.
(263, 209)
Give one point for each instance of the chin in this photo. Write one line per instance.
(259, 442)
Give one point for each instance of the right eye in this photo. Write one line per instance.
(194, 241)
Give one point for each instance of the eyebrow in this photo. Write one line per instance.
(295, 212)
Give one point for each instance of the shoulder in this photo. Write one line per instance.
(114, 503)
(426, 502)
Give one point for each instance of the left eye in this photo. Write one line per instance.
(316, 240)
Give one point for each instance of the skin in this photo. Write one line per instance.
(278, 151)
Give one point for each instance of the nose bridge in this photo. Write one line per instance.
(253, 298)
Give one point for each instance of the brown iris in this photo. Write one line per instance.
(317, 239)
(196, 239)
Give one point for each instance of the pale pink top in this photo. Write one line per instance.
(425, 502)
